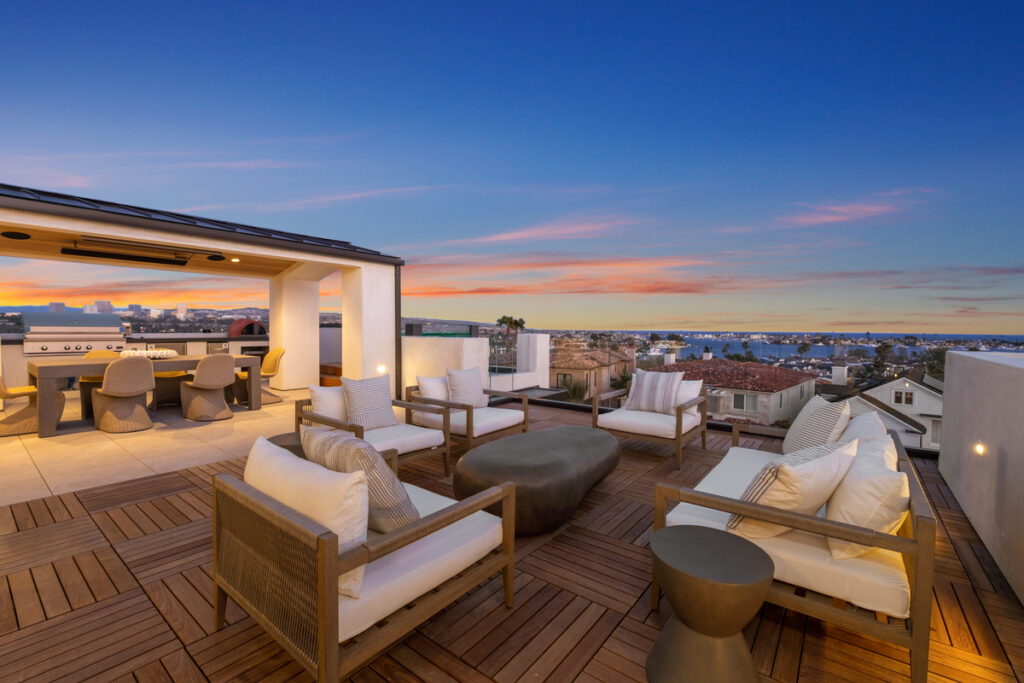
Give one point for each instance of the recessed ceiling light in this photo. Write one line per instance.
(13, 235)
(214, 257)
(235, 260)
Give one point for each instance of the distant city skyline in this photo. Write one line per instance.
(645, 166)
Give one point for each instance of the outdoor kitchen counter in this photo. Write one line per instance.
(46, 372)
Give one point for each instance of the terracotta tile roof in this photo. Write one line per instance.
(729, 374)
(565, 359)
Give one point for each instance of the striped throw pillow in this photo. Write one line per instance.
(340, 451)
(465, 386)
(819, 422)
(654, 392)
(368, 402)
(799, 482)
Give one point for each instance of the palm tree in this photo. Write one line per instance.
(518, 324)
(508, 321)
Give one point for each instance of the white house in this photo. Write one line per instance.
(918, 397)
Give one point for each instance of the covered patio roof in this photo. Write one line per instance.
(47, 225)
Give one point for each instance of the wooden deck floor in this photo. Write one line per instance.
(114, 583)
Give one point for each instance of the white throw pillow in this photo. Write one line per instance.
(654, 392)
(689, 389)
(866, 426)
(872, 496)
(329, 402)
(800, 482)
(881, 448)
(819, 422)
(465, 386)
(368, 402)
(336, 500)
(433, 387)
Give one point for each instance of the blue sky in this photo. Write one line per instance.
(751, 166)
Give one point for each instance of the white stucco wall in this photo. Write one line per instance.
(433, 356)
(982, 406)
(368, 321)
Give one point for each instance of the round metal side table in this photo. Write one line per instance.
(715, 581)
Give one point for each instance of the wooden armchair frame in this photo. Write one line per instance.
(915, 541)
(263, 552)
(681, 439)
(467, 442)
(304, 415)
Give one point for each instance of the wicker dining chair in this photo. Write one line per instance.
(26, 420)
(270, 367)
(89, 382)
(202, 398)
(120, 404)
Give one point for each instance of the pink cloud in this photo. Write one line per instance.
(551, 231)
(835, 213)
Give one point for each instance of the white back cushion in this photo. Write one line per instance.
(689, 389)
(866, 426)
(433, 387)
(368, 401)
(800, 482)
(465, 386)
(329, 402)
(819, 422)
(881, 448)
(654, 392)
(337, 500)
(871, 495)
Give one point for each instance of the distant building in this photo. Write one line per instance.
(596, 368)
(57, 307)
(182, 311)
(104, 307)
(90, 308)
(748, 392)
(154, 313)
(135, 308)
(918, 397)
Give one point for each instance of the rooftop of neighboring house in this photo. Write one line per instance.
(571, 359)
(729, 374)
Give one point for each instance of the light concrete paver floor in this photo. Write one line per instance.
(81, 456)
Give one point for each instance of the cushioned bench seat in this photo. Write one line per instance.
(643, 422)
(399, 577)
(876, 581)
(404, 438)
(485, 420)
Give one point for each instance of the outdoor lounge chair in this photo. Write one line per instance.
(470, 422)
(283, 569)
(119, 405)
(689, 421)
(202, 398)
(411, 441)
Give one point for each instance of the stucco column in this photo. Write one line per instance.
(368, 321)
(295, 325)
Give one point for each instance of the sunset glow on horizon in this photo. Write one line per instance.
(649, 167)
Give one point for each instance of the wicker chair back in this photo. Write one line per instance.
(128, 377)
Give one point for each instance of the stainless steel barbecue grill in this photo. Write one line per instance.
(69, 334)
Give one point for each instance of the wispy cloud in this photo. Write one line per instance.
(558, 230)
(238, 164)
(313, 202)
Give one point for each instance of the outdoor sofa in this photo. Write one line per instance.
(885, 593)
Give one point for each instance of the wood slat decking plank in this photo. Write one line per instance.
(133, 491)
(42, 545)
(23, 516)
(8, 616)
(51, 593)
(26, 601)
(75, 587)
(181, 668)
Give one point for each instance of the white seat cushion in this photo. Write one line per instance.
(404, 438)
(395, 579)
(875, 581)
(485, 420)
(640, 422)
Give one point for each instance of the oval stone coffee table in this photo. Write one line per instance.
(553, 469)
(715, 582)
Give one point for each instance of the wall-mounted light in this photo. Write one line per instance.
(979, 448)
(235, 260)
(381, 369)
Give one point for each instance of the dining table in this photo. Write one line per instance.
(47, 373)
